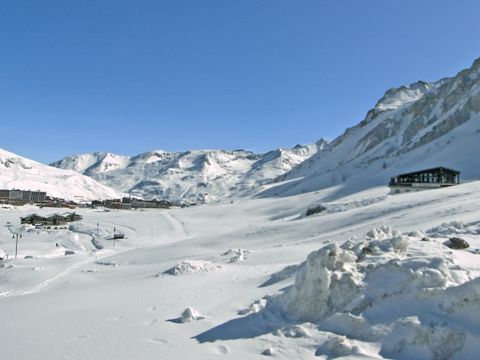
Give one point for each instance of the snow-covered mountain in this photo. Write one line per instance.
(422, 125)
(194, 176)
(21, 173)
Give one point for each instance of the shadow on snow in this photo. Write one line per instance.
(248, 327)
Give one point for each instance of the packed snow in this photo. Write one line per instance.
(192, 267)
(360, 283)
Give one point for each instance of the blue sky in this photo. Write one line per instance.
(130, 76)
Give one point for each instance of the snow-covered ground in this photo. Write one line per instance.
(236, 280)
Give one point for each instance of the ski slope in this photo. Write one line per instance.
(122, 302)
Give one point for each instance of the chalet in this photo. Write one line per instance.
(424, 179)
(33, 219)
(56, 220)
(72, 217)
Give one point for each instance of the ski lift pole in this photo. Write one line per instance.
(15, 235)
(16, 245)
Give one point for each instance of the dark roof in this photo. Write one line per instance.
(56, 216)
(33, 216)
(440, 168)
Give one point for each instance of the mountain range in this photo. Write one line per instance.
(191, 176)
(421, 125)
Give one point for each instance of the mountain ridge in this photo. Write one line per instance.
(440, 126)
(192, 175)
(423, 124)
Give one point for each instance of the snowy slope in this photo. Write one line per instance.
(246, 272)
(195, 176)
(412, 127)
(21, 173)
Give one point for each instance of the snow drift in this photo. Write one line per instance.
(415, 306)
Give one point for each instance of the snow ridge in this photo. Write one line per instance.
(417, 126)
(192, 176)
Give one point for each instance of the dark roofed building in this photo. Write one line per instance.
(73, 217)
(56, 220)
(433, 178)
(33, 219)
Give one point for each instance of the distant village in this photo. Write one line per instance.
(22, 197)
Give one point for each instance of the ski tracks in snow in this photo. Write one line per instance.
(177, 225)
(45, 284)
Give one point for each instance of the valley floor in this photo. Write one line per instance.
(124, 300)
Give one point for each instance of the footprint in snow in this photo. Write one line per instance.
(148, 323)
(118, 318)
(222, 350)
(157, 341)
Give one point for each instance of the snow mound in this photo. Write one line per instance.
(192, 267)
(415, 306)
(335, 207)
(416, 234)
(410, 339)
(189, 315)
(324, 285)
(296, 331)
(237, 254)
(254, 308)
(455, 228)
(338, 346)
(343, 278)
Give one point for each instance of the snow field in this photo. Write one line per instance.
(357, 284)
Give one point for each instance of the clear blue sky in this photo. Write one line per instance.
(131, 76)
